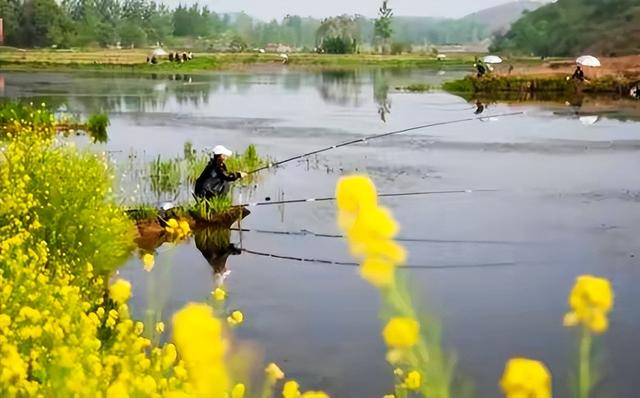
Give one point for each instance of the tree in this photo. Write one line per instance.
(382, 26)
(338, 35)
(43, 24)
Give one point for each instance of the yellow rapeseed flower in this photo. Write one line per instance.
(235, 318)
(118, 390)
(590, 300)
(219, 294)
(120, 291)
(526, 378)
(291, 389)
(354, 193)
(373, 223)
(160, 327)
(238, 391)
(315, 394)
(148, 261)
(401, 332)
(198, 337)
(413, 380)
(274, 372)
(377, 272)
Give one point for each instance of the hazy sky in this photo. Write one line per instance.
(268, 9)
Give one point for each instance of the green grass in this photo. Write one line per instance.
(416, 88)
(143, 212)
(549, 84)
(165, 176)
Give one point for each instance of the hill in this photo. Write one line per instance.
(500, 18)
(574, 27)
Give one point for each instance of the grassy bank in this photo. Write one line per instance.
(135, 61)
(535, 84)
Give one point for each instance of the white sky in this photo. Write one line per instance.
(268, 9)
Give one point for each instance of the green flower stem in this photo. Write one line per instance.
(584, 382)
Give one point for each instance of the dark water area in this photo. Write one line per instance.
(494, 267)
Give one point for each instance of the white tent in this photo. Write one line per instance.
(588, 60)
(492, 59)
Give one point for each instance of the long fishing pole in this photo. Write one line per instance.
(376, 136)
(408, 266)
(382, 195)
(304, 233)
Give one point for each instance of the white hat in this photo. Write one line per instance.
(221, 150)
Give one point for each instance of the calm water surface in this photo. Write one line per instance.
(568, 203)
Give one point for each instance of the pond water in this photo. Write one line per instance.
(494, 267)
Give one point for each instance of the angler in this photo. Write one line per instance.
(215, 180)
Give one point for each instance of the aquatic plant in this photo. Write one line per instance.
(97, 127)
(165, 176)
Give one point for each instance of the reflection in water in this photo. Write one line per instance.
(381, 94)
(340, 87)
(216, 247)
(479, 107)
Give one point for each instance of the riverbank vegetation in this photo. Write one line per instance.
(535, 84)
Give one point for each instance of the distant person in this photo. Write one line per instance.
(154, 60)
(148, 60)
(578, 74)
(184, 57)
(510, 69)
(215, 180)
(170, 57)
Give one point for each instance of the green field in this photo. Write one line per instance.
(135, 60)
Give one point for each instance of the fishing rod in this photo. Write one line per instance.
(376, 136)
(408, 266)
(397, 239)
(382, 195)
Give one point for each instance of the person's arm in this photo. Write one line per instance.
(222, 173)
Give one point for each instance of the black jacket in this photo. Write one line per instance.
(214, 179)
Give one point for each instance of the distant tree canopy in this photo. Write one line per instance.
(573, 27)
(91, 23)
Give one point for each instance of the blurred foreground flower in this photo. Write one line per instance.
(177, 229)
(526, 378)
(198, 337)
(219, 294)
(590, 300)
(235, 318)
(120, 291)
(148, 261)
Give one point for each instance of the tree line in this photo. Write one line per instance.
(139, 23)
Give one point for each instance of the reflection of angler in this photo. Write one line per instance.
(479, 107)
(215, 246)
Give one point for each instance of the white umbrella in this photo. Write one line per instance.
(441, 57)
(158, 52)
(588, 60)
(492, 59)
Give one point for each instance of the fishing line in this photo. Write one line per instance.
(398, 239)
(376, 136)
(382, 195)
(353, 264)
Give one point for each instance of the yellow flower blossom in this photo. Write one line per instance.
(219, 294)
(291, 389)
(401, 332)
(198, 336)
(148, 261)
(235, 318)
(355, 192)
(273, 372)
(378, 272)
(238, 391)
(526, 378)
(315, 394)
(413, 380)
(118, 390)
(160, 327)
(591, 299)
(120, 291)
